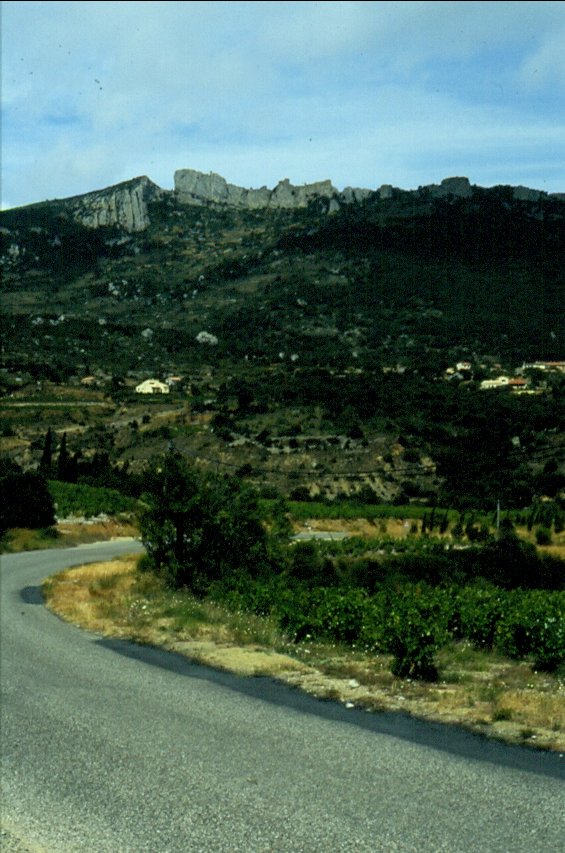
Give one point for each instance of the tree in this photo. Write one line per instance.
(281, 528)
(63, 461)
(26, 500)
(201, 528)
(46, 460)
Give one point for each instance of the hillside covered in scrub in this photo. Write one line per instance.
(318, 343)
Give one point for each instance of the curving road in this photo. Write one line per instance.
(107, 746)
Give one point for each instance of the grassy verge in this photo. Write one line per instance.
(482, 691)
(66, 535)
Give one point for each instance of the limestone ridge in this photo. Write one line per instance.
(198, 188)
(193, 187)
(125, 205)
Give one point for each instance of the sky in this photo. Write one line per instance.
(363, 93)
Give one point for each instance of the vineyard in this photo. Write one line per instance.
(404, 598)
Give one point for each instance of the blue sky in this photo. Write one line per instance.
(365, 93)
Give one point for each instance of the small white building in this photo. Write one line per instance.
(152, 386)
(499, 382)
(550, 366)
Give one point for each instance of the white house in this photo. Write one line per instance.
(545, 365)
(499, 382)
(152, 386)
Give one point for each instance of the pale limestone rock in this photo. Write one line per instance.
(193, 187)
(350, 195)
(124, 204)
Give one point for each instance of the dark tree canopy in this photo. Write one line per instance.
(25, 500)
(200, 528)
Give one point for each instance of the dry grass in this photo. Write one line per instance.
(394, 528)
(486, 693)
(67, 535)
(112, 528)
(90, 596)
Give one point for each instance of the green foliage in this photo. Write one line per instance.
(533, 624)
(306, 565)
(543, 536)
(64, 461)
(26, 501)
(46, 461)
(477, 611)
(301, 510)
(370, 563)
(82, 499)
(309, 599)
(323, 613)
(281, 528)
(509, 562)
(410, 623)
(201, 529)
(416, 627)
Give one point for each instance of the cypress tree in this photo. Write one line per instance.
(63, 463)
(46, 462)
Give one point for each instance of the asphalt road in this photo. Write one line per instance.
(107, 746)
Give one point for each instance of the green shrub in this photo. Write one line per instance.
(533, 624)
(416, 628)
(373, 634)
(543, 536)
(50, 533)
(307, 565)
(340, 613)
(509, 562)
(296, 614)
(478, 610)
(82, 499)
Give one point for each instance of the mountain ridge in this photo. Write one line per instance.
(126, 204)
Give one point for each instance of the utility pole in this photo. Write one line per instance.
(498, 515)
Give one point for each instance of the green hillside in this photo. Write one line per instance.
(319, 350)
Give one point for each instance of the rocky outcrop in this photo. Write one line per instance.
(125, 205)
(386, 192)
(526, 194)
(451, 187)
(193, 187)
(350, 195)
